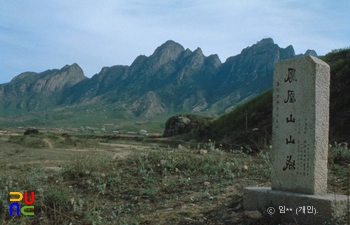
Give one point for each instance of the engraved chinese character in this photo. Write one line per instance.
(291, 119)
(289, 164)
(290, 98)
(291, 75)
(290, 140)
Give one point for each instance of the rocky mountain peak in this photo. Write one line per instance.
(65, 67)
(290, 50)
(265, 41)
(196, 59)
(22, 76)
(213, 60)
(311, 52)
(198, 51)
(48, 81)
(168, 51)
(170, 80)
(56, 80)
(74, 66)
(72, 74)
(308, 52)
(260, 45)
(255, 65)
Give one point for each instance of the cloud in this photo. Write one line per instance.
(39, 35)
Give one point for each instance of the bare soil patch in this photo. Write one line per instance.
(128, 182)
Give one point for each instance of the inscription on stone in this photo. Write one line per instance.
(289, 163)
(291, 98)
(299, 146)
(290, 119)
(300, 125)
(291, 75)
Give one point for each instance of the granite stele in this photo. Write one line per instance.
(299, 147)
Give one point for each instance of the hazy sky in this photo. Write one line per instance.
(39, 35)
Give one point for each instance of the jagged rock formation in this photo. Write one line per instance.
(34, 91)
(172, 79)
(231, 128)
(147, 106)
(47, 82)
(251, 71)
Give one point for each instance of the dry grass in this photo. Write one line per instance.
(77, 180)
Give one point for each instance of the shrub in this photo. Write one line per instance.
(31, 131)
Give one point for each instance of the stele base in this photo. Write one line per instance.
(329, 207)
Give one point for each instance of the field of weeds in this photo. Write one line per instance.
(86, 179)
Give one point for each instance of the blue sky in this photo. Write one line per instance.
(40, 35)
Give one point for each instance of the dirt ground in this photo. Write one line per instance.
(19, 154)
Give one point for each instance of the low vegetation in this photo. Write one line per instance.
(237, 126)
(339, 61)
(158, 185)
(95, 183)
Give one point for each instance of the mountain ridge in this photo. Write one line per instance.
(251, 121)
(171, 80)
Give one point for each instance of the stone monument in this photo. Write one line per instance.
(299, 146)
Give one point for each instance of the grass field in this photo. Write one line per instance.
(110, 179)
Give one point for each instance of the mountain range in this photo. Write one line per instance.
(250, 123)
(171, 80)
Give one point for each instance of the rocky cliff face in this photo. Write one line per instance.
(147, 105)
(39, 90)
(248, 73)
(172, 79)
(164, 55)
(49, 81)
